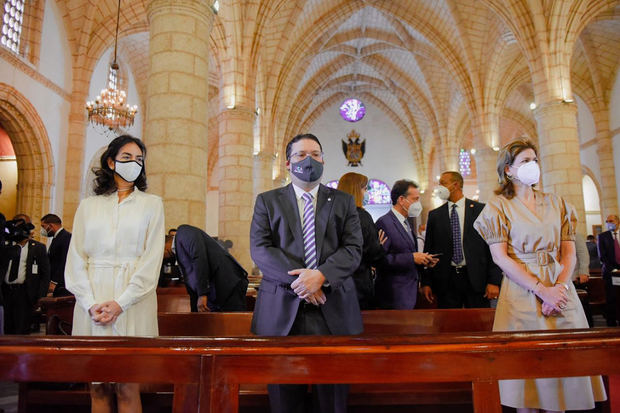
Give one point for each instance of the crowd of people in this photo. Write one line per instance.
(322, 260)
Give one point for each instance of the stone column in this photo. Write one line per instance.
(559, 154)
(486, 172)
(605, 151)
(177, 107)
(236, 182)
(263, 172)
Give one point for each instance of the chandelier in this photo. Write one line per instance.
(110, 109)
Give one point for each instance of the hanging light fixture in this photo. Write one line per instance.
(110, 109)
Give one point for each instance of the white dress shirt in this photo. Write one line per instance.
(460, 209)
(21, 271)
(403, 221)
(301, 203)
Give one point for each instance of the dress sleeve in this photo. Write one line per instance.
(569, 221)
(146, 273)
(492, 223)
(76, 274)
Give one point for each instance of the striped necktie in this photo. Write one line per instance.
(308, 232)
(457, 246)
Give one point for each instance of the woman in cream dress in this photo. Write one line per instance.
(531, 236)
(114, 260)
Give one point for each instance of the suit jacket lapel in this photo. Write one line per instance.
(324, 204)
(290, 210)
(469, 216)
(401, 229)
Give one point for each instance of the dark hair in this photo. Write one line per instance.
(0, 184)
(506, 157)
(104, 181)
(171, 229)
(51, 219)
(590, 237)
(400, 188)
(297, 138)
(455, 177)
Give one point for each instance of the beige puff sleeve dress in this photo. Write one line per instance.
(534, 241)
(116, 253)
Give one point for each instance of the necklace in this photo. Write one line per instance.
(124, 190)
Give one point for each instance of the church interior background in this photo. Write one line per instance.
(221, 86)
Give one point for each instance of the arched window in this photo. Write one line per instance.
(378, 193)
(464, 163)
(332, 184)
(12, 22)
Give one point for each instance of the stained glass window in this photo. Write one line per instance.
(352, 110)
(464, 163)
(332, 184)
(13, 16)
(378, 193)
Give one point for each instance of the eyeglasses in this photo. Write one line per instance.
(300, 156)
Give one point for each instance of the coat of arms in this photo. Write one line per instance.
(354, 149)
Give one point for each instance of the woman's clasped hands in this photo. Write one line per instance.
(554, 299)
(105, 313)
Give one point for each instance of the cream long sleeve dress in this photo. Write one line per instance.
(533, 240)
(116, 253)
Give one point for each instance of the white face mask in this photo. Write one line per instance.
(442, 193)
(529, 173)
(128, 170)
(44, 233)
(415, 209)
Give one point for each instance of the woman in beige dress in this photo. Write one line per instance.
(531, 236)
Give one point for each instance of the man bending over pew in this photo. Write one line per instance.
(215, 281)
(306, 239)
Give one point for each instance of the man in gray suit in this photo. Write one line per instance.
(306, 239)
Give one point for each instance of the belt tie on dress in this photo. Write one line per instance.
(124, 266)
(542, 258)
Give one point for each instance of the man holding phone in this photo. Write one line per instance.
(465, 275)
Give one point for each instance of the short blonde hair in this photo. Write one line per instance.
(507, 157)
(353, 183)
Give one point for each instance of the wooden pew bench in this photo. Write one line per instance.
(215, 367)
(253, 396)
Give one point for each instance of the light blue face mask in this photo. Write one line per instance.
(611, 226)
(366, 199)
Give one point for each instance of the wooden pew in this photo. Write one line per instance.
(380, 322)
(217, 366)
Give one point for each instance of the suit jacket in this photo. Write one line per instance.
(36, 283)
(607, 252)
(396, 286)
(208, 268)
(481, 269)
(276, 246)
(373, 255)
(595, 261)
(57, 254)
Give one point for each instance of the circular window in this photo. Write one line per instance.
(352, 110)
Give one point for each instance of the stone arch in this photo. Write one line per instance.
(35, 164)
(590, 174)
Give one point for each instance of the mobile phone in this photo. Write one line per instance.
(437, 255)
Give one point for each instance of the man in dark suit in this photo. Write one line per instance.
(466, 275)
(214, 280)
(51, 226)
(306, 240)
(595, 261)
(396, 286)
(609, 251)
(25, 272)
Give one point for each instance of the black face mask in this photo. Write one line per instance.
(308, 170)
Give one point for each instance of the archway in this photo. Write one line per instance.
(35, 165)
(591, 196)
